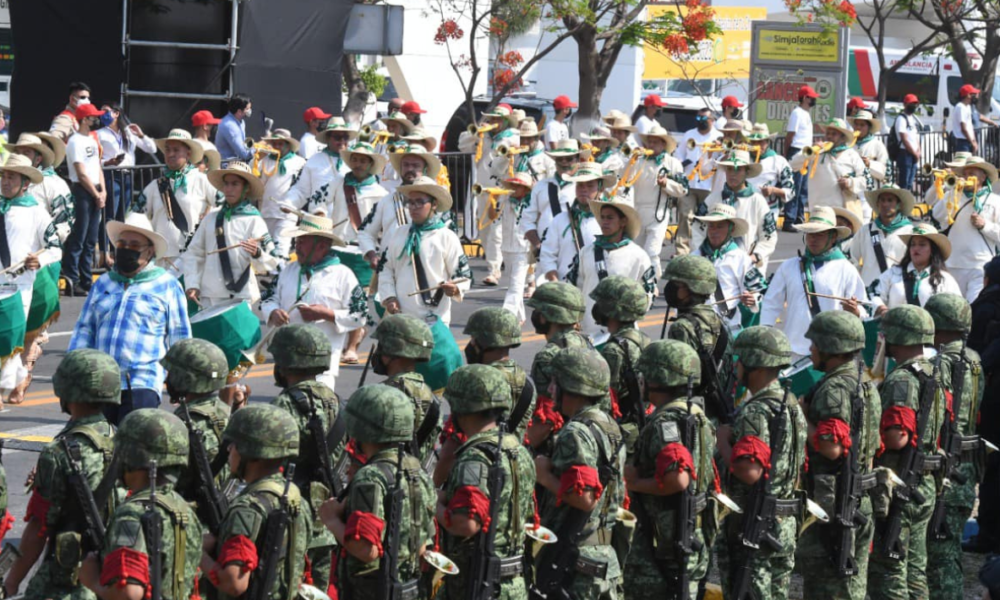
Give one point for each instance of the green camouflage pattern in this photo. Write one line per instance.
(196, 366)
(413, 385)
(763, 347)
(836, 332)
(209, 417)
(88, 376)
(950, 312)
(263, 431)
(945, 565)
(696, 272)
(300, 346)
(151, 434)
(621, 298)
(247, 516)
(581, 371)
(669, 363)
(404, 336)
(559, 302)
(654, 550)
(541, 366)
(493, 327)
(379, 414)
(908, 325)
(368, 492)
(517, 378)
(471, 469)
(907, 578)
(475, 388)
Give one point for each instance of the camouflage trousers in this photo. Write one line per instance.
(770, 571)
(645, 578)
(320, 563)
(906, 578)
(514, 588)
(815, 561)
(50, 582)
(945, 577)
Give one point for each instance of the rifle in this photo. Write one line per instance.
(211, 502)
(555, 564)
(325, 468)
(687, 511)
(272, 545)
(152, 530)
(666, 316)
(911, 471)
(849, 492)
(951, 443)
(94, 532)
(368, 364)
(635, 404)
(484, 576)
(390, 588)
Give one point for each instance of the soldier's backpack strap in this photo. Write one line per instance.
(178, 510)
(268, 495)
(217, 421)
(101, 440)
(607, 471)
(520, 409)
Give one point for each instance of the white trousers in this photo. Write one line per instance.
(275, 226)
(652, 234)
(517, 273)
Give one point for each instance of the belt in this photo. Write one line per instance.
(788, 508)
(971, 443)
(512, 566)
(409, 590)
(600, 537)
(592, 568)
(868, 481)
(933, 463)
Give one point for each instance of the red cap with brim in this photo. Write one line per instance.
(411, 108)
(203, 117)
(806, 90)
(856, 102)
(911, 99)
(87, 110)
(730, 101)
(563, 102)
(314, 113)
(967, 90)
(653, 100)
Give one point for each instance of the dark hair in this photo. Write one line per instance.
(237, 102)
(78, 86)
(937, 263)
(706, 111)
(123, 123)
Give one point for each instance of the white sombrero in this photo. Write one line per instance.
(242, 170)
(138, 223)
(634, 225)
(30, 141)
(906, 199)
(724, 212)
(866, 115)
(849, 215)
(430, 187)
(976, 162)
(212, 154)
(433, 162)
(741, 158)
(822, 218)
(928, 231)
(658, 132)
(20, 164)
(283, 135)
(182, 136)
(591, 171)
(314, 225)
(365, 149)
(58, 147)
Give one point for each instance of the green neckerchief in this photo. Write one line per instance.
(919, 276)
(768, 154)
(519, 204)
(865, 140)
(336, 155)
(835, 151)
(834, 253)
(351, 181)
(149, 273)
(603, 156)
(577, 215)
(658, 158)
(900, 220)
(178, 178)
(242, 208)
(985, 190)
(728, 195)
(331, 258)
(282, 169)
(601, 241)
(25, 201)
(48, 171)
(714, 254)
(562, 182)
(416, 234)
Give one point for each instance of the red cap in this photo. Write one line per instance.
(911, 99)
(967, 90)
(203, 117)
(805, 91)
(313, 113)
(653, 100)
(87, 110)
(412, 108)
(563, 102)
(730, 101)
(857, 102)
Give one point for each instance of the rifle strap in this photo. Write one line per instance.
(214, 417)
(876, 236)
(177, 510)
(523, 404)
(100, 440)
(177, 216)
(268, 494)
(232, 284)
(554, 205)
(4, 244)
(338, 431)
(427, 425)
(600, 263)
(910, 282)
(607, 470)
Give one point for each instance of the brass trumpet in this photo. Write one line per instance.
(818, 149)
(626, 149)
(477, 130)
(492, 191)
(927, 169)
(509, 151)
(728, 144)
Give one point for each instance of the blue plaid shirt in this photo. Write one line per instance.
(135, 325)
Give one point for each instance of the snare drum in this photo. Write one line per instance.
(232, 327)
(445, 358)
(44, 299)
(13, 326)
(871, 340)
(802, 376)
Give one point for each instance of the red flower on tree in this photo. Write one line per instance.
(675, 44)
(448, 30)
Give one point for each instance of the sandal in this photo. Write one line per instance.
(350, 357)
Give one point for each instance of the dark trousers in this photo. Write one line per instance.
(795, 210)
(963, 145)
(132, 400)
(78, 252)
(119, 198)
(906, 169)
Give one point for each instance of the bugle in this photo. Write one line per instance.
(927, 169)
(509, 151)
(479, 190)
(479, 130)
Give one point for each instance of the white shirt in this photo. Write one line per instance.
(381, 223)
(558, 248)
(195, 202)
(685, 154)
(878, 157)
(83, 149)
(28, 232)
(628, 261)
(823, 187)
(736, 274)
(55, 197)
(800, 123)
(971, 248)
(309, 145)
(311, 189)
(555, 132)
(643, 124)
(961, 114)
(908, 125)
(538, 214)
(276, 186)
(366, 197)
(891, 288)
(863, 250)
(111, 146)
(647, 188)
(763, 232)
(773, 173)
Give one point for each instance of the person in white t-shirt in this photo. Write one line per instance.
(961, 120)
(315, 120)
(730, 111)
(908, 132)
(83, 155)
(556, 129)
(651, 105)
(799, 135)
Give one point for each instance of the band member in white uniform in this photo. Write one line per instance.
(878, 246)
(920, 274)
(660, 184)
(576, 227)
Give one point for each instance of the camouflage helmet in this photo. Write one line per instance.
(404, 336)
(494, 327)
(763, 347)
(908, 325)
(669, 363)
(300, 346)
(836, 332)
(263, 431)
(88, 376)
(380, 414)
(581, 371)
(621, 298)
(697, 272)
(475, 388)
(559, 302)
(950, 312)
(151, 434)
(196, 366)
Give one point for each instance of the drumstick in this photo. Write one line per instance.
(865, 302)
(431, 289)
(233, 247)
(20, 264)
(727, 300)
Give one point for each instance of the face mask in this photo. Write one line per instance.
(279, 379)
(473, 355)
(248, 113)
(377, 365)
(126, 260)
(599, 317)
(910, 109)
(670, 293)
(541, 327)
(812, 102)
(82, 101)
(702, 123)
(107, 118)
(96, 124)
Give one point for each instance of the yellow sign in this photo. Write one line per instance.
(726, 56)
(798, 46)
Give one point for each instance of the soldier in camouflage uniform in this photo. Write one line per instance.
(907, 329)
(147, 435)
(585, 473)
(86, 381)
(759, 456)
(691, 280)
(301, 354)
(262, 440)
(663, 468)
(952, 321)
(380, 423)
(557, 310)
(492, 332)
(479, 397)
(837, 338)
(6, 519)
(618, 303)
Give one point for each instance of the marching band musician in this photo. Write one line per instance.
(691, 152)
(943, 188)
(622, 130)
(872, 150)
(551, 196)
(532, 159)
(313, 186)
(278, 172)
(924, 256)
(604, 146)
(775, 182)
(398, 126)
(576, 227)
(837, 176)
(878, 246)
(734, 134)
(45, 154)
(515, 248)
(660, 184)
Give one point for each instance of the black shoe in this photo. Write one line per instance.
(86, 285)
(788, 226)
(79, 290)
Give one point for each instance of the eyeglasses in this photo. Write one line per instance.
(132, 246)
(415, 203)
(340, 137)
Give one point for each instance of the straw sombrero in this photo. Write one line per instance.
(822, 218)
(430, 187)
(314, 225)
(568, 147)
(958, 159)
(420, 136)
(58, 147)
(365, 149)
(283, 135)
(741, 158)
(634, 225)
(760, 132)
(139, 223)
(841, 126)
(622, 122)
(906, 199)
(28, 141)
(336, 125)
(433, 162)
(658, 132)
(600, 133)
(866, 115)
(613, 115)
(851, 217)
(724, 212)
(738, 125)
(528, 128)
(242, 170)
(400, 119)
(20, 164)
(591, 171)
(976, 162)
(212, 154)
(521, 179)
(928, 231)
(182, 136)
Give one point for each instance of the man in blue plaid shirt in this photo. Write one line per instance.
(134, 313)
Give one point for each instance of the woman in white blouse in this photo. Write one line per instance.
(920, 274)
